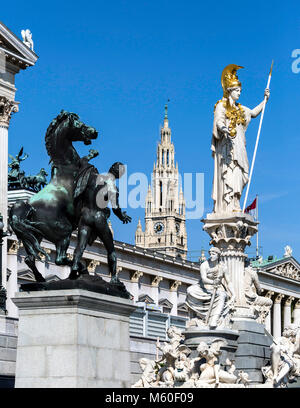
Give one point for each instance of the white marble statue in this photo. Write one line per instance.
(211, 373)
(287, 251)
(27, 38)
(148, 378)
(212, 298)
(260, 305)
(231, 166)
(285, 358)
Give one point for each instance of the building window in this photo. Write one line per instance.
(160, 189)
(182, 310)
(166, 305)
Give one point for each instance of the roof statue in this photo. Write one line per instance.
(27, 38)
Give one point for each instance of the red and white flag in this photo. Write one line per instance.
(250, 207)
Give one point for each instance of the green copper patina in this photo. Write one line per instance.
(50, 213)
(17, 178)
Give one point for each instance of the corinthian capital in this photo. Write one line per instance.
(7, 108)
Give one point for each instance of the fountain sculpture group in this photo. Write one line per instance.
(224, 343)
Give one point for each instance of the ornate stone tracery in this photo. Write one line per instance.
(7, 108)
(287, 270)
(92, 265)
(156, 281)
(136, 276)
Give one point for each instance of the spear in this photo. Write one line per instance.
(257, 138)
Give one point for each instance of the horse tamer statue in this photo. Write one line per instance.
(66, 202)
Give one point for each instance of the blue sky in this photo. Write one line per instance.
(116, 64)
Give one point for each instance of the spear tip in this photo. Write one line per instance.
(271, 67)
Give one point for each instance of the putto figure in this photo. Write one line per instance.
(212, 297)
(285, 358)
(231, 166)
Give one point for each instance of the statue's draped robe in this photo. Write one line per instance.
(200, 294)
(231, 165)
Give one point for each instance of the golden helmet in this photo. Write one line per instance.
(229, 78)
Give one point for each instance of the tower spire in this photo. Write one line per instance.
(165, 229)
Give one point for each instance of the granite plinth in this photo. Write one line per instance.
(72, 339)
(86, 282)
(253, 350)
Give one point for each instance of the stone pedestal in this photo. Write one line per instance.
(253, 351)
(193, 336)
(8, 350)
(72, 339)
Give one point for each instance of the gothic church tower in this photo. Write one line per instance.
(165, 229)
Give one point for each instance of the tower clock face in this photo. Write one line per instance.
(177, 226)
(159, 228)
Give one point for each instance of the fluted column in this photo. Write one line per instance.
(296, 313)
(268, 320)
(174, 296)
(277, 316)
(287, 313)
(7, 107)
(134, 287)
(12, 284)
(155, 288)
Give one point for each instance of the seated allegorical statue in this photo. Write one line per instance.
(261, 305)
(212, 297)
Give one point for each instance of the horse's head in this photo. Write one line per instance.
(43, 172)
(80, 131)
(62, 131)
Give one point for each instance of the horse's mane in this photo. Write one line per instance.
(50, 143)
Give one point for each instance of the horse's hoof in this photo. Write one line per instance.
(40, 279)
(74, 275)
(115, 279)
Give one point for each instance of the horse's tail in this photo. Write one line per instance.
(25, 229)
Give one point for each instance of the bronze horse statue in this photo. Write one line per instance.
(50, 213)
(37, 182)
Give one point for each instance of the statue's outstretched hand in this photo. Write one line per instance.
(125, 218)
(226, 132)
(267, 93)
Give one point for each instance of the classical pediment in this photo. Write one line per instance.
(165, 303)
(52, 278)
(146, 299)
(287, 267)
(26, 275)
(15, 50)
(182, 307)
